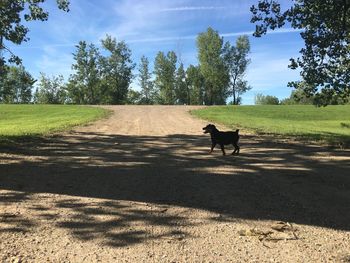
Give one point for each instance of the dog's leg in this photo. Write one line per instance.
(212, 147)
(236, 148)
(222, 149)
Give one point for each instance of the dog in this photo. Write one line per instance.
(222, 138)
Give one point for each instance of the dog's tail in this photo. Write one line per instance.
(237, 130)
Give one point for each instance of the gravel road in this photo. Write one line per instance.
(141, 186)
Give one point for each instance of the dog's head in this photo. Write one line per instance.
(209, 128)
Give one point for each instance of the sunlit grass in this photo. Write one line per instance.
(331, 123)
(21, 121)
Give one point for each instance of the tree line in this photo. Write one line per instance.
(298, 97)
(324, 60)
(103, 76)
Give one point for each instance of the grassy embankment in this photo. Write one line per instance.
(330, 124)
(30, 121)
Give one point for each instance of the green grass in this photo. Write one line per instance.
(27, 121)
(330, 124)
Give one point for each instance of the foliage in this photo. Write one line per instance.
(134, 97)
(116, 71)
(325, 59)
(305, 121)
(101, 79)
(84, 88)
(212, 66)
(298, 96)
(16, 85)
(146, 84)
(165, 71)
(11, 27)
(32, 120)
(261, 99)
(51, 90)
(181, 89)
(195, 84)
(236, 60)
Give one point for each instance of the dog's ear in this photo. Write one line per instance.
(237, 130)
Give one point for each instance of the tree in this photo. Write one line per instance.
(101, 79)
(165, 71)
(236, 60)
(261, 99)
(195, 84)
(51, 90)
(146, 84)
(134, 97)
(212, 67)
(181, 89)
(298, 96)
(16, 86)
(325, 59)
(84, 88)
(36, 96)
(11, 28)
(116, 71)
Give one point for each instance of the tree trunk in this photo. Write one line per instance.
(1, 56)
(234, 91)
(234, 98)
(188, 95)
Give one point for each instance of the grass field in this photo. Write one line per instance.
(331, 123)
(21, 121)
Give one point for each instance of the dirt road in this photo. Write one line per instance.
(141, 187)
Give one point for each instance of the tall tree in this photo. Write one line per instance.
(325, 59)
(84, 88)
(182, 93)
(236, 61)
(11, 27)
(211, 63)
(116, 71)
(146, 84)
(195, 84)
(165, 71)
(16, 86)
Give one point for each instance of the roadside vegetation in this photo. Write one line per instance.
(330, 124)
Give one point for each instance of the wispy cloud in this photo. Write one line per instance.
(192, 37)
(277, 31)
(44, 46)
(53, 62)
(191, 8)
(163, 39)
(148, 17)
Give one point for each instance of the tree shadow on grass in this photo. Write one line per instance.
(268, 181)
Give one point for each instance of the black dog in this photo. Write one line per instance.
(222, 138)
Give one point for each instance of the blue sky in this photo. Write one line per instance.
(149, 26)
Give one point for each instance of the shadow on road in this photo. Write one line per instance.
(268, 180)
